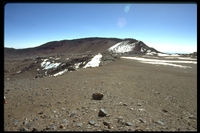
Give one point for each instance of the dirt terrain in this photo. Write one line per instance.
(136, 97)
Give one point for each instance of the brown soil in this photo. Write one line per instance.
(137, 97)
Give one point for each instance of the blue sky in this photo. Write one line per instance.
(166, 27)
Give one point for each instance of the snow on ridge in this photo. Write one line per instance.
(95, 61)
(122, 47)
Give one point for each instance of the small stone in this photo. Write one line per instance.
(131, 129)
(125, 104)
(165, 111)
(128, 124)
(160, 122)
(28, 125)
(25, 122)
(138, 130)
(96, 125)
(73, 113)
(16, 122)
(102, 112)
(97, 96)
(91, 122)
(35, 129)
(142, 120)
(139, 104)
(120, 118)
(106, 123)
(54, 111)
(109, 127)
(52, 127)
(24, 129)
(141, 109)
(40, 112)
(65, 122)
(62, 126)
(79, 124)
(106, 130)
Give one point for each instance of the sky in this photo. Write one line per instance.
(166, 27)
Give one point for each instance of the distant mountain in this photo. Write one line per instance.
(84, 45)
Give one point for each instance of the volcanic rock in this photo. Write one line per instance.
(97, 96)
(102, 112)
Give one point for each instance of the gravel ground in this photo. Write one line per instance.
(136, 97)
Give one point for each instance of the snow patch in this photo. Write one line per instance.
(122, 47)
(48, 65)
(76, 65)
(151, 53)
(60, 73)
(162, 62)
(95, 61)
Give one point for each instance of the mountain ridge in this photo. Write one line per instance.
(92, 45)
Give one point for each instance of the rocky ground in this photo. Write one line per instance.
(136, 97)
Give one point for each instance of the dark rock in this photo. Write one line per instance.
(142, 120)
(165, 111)
(125, 104)
(102, 112)
(40, 112)
(97, 96)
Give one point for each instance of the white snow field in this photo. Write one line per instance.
(162, 62)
